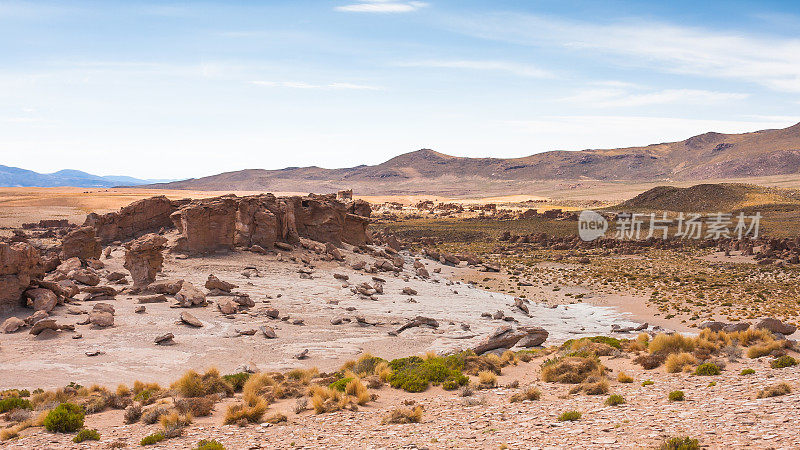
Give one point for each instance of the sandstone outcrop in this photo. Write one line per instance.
(143, 258)
(18, 264)
(143, 216)
(81, 243)
(264, 220)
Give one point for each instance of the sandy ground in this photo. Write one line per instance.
(130, 352)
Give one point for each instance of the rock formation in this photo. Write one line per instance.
(143, 258)
(18, 263)
(140, 217)
(81, 243)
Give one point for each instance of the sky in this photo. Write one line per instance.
(187, 89)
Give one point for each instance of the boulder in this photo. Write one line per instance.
(19, 263)
(503, 337)
(215, 283)
(104, 307)
(85, 276)
(520, 304)
(41, 299)
(69, 265)
(101, 319)
(169, 287)
(44, 324)
(143, 258)
(190, 320)
(155, 298)
(227, 306)
(12, 324)
(776, 326)
(418, 322)
(268, 332)
(534, 336)
(189, 295)
(81, 243)
(69, 287)
(165, 339)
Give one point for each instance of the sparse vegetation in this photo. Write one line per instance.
(747, 372)
(571, 369)
(152, 439)
(774, 390)
(209, 445)
(782, 362)
(86, 435)
(531, 394)
(676, 396)
(569, 416)
(65, 418)
(405, 415)
(623, 377)
(614, 400)
(680, 443)
(707, 369)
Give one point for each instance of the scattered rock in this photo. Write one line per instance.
(165, 339)
(268, 332)
(189, 296)
(44, 324)
(776, 326)
(12, 324)
(101, 319)
(190, 320)
(418, 321)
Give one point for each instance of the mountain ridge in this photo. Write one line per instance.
(17, 177)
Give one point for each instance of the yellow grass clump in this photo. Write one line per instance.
(677, 362)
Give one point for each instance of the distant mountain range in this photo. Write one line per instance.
(16, 177)
(704, 157)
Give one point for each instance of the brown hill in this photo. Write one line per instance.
(722, 197)
(704, 157)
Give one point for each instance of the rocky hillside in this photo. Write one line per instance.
(707, 156)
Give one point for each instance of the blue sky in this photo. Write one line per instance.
(187, 89)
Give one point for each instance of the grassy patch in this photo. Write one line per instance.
(676, 396)
(86, 435)
(569, 416)
(65, 418)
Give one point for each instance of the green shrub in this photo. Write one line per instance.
(747, 372)
(152, 439)
(414, 374)
(614, 400)
(340, 384)
(680, 443)
(65, 418)
(614, 342)
(676, 396)
(7, 404)
(237, 380)
(86, 435)
(783, 361)
(209, 445)
(707, 369)
(569, 416)
(647, 382)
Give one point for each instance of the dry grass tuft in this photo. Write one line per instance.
(246, 412)
(571, 369)
(487, 380)
(774, 390)
(677, 362)
(405, 415)
(623, 377)
(192, 384)
(531, 394)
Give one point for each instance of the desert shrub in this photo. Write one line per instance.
(592, 386)
(7, 404)
(276, 418)
(209, 445)
(677, 362)
(132, 414)
(340, 384)
(647, 383)
(65, 418)
(247, 412)
(356, 389)
(747, 372)
(405, 415)
(623, 377)
(577, 344)
(382, 371)
(680, 443)
(152, 439)
(123, 390)
(152, 415)
(569, 416)
(256, 386)
(570, 369)
(650, 360)
(236, 380)
(763, 349)
(707, 369)
(676, 396)
(414, 374)
(614, 400)
(487, 380)
(671, 343)
(327, 400)
(86, 435)
(365, 365)
(783, 361)
(774, 390)
(528, 394)
(174, 423)
(197, 406)
(192, 384)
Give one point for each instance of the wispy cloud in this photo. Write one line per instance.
(304, 85)
(609, 98)
(768, 61)
(382, 6)
(503, 66)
